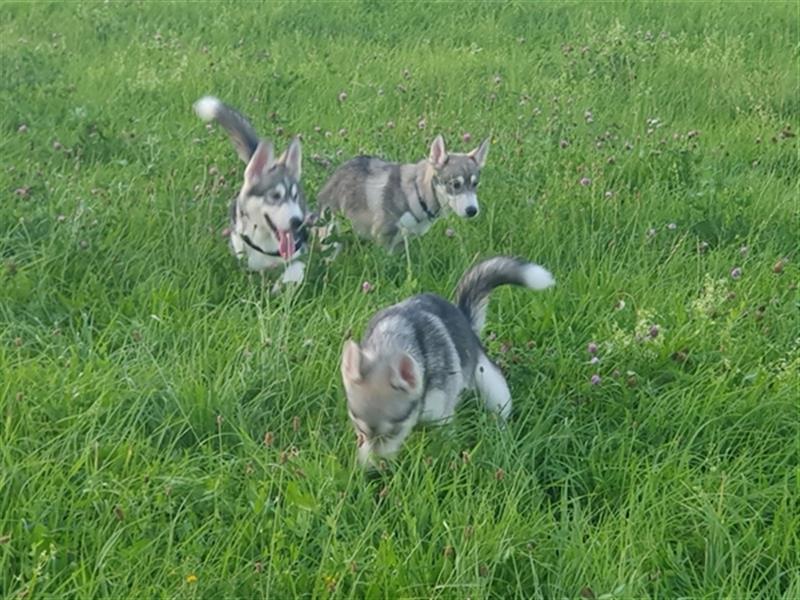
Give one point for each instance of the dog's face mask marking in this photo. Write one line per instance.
(458, 175)
(272, 198)
(382, 393)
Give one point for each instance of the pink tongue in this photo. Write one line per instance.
(285, 244)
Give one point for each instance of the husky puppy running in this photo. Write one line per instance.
(388, 201)
(417, 356)
(269, 217)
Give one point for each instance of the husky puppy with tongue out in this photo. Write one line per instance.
(269, 217)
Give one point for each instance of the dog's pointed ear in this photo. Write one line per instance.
(262, 160)
(438, 155)
(481, 152)
(405, 373)
(293, 158)
(351, 362)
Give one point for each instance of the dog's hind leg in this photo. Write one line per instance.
(492, 387)
(390, 237)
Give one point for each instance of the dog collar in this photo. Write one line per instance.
(246, 239)
(431, 216)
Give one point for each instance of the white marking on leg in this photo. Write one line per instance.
(294, 272)
(439, 407)
(409, 225)
(492, 387)
(365, 453)
(395, 242)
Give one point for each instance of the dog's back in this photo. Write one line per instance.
(437, 337)
(371, 192)
(346, 186)
(433, 330)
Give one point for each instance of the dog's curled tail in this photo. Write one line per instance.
(472, 293)
(244, 137)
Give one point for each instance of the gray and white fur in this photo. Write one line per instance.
(416, 358)
(388, 201)
(269, 217)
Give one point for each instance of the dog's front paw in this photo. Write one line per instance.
(294, 273)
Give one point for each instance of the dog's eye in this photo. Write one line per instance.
(474, 181)
(457, 184)
(275, 196)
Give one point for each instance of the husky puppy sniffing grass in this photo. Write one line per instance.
(390, 201)
(417, 356)
(269, 217)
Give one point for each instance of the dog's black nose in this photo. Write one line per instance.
(471, 211)
(295, 222)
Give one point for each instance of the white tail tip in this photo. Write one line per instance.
(538, 278)
(207, 108)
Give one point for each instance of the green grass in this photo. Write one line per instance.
(140, 368)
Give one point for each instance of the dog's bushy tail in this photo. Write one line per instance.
(475, 286)
(244, 137)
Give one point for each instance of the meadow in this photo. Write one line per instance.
(171, 430)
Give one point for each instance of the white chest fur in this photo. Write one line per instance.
(257, 260)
